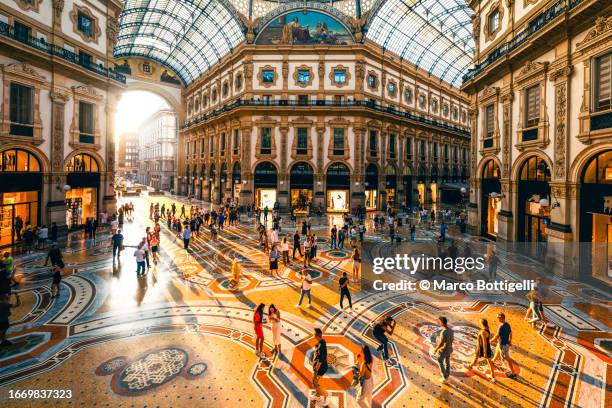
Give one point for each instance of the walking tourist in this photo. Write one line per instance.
(444, 348)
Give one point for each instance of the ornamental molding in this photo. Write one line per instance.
(86, 92)
(490, 35)
(74, 13)
(29, 5)
(531, 69)
(332, 76)
(600, 33)
(60, 94)
(296, 71)
(560, 131)
(112, 29)
(26, 72)
(260, 76)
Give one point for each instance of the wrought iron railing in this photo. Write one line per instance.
(52, 49)
(534, 26)
(348, 104)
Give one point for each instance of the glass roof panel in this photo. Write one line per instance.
(435, 35)
(188, 36)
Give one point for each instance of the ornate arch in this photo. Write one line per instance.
(99, 160)
(45, 165)
(518, 163)
(348, 166)
(486, 158)
(583, 158)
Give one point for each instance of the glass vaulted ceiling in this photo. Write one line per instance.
(436, 35)
(189, 36)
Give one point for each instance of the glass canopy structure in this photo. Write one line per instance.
(190, 36)
(435, 35)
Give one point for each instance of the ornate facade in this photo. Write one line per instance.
(330, 126)
(58, 94)
(542, 130)
(157, 139)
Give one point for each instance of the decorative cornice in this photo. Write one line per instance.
(602, 30)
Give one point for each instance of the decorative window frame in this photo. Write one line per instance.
(90, 95)
(533, 73)
(490, 95)
(303, 67)
(266, 122)
(236, 149)
(332, 76)
(338, 123)
(238, 81)
(446, 110)
(214, 95)
(595, 44)
(74, 13)
(392, 129)
(27, 6)
(302, 122)
(529, 2)
(423, 105)
(260, 76)
(496, 6)
(376, 81)
(408, 101)
(225, 89)
(376, 126)
(395, 88)
(25, 75)
(435, 104)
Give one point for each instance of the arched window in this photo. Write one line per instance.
(599, 169)
(19, 160)
(490, 170)
(82, 163)
(535, 169)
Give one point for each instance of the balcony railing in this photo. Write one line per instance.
(534, 26)
(348, 104)
(52, 49)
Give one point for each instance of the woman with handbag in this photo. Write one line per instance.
(274, 256)
(366, 382)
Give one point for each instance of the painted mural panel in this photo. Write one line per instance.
(305, 28)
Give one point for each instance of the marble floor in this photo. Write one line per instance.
(180, 337)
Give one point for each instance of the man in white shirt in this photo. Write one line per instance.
(43, 234)
(274, 237)
(305, 291)
(140, 261)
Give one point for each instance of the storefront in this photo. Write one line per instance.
(433, 186)
(83, 180)
(202, 182)
(371, 187)
(301, 180)
(338, 187)
(534, 206)
(596, 218)
(20, 193)
(212, 177)
(421, 186)
(236, 182)
(391, 189)
(490, 189)
(266, 179)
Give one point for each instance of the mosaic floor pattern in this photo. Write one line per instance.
(182, 337)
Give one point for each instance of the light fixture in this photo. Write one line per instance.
(496, 196)
(67, 187)
(282, 182)
(356, 183)
(244, 181)
(544, 202)
(463, 190)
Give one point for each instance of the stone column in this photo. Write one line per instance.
(560, 249)
(109, 201)
(247, 191)
(283, 179)
(358, 179)
(56, 208)
(319, 187)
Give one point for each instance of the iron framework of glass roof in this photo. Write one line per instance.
(435, 35)
(190, 36)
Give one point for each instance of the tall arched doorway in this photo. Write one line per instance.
(202, 181)
(490, 199)
(20, 192)
(83, 177)
(421, 176)
(338, 186)
(301, 181)
(236, 181)
(534, 205)
(222, 184)
(391, 186)
(371, 187)
(212, 178)
(596, 218)
(433, 185)
(407, 182)
(266, 179)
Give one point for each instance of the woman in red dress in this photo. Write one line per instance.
(258, 321)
